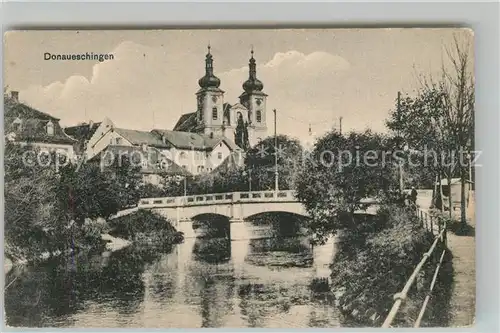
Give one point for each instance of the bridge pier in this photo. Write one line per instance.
(239, 230)
(240, 241)
(186, 227)
(323, 257)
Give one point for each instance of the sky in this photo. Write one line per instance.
(312, 76)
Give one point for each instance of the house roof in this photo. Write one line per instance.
(187, 140)
(141, 137)
(33, 125)
(82, 131)
(24, 111)
(137, 155)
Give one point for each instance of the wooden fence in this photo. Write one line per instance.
(433, 225)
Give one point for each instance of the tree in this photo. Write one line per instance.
(33, 215)
(260, 162)
(340, 172)
(241, 135)
(441, 118)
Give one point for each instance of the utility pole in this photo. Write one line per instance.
(401, 183)
(340, 125)
(275, 155)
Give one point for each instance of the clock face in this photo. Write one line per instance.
(214, 99)
(259, 101)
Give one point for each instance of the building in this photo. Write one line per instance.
(244, 121)
(82, 134)
(154, 166)
(455, 189)
(195, 153)
(26, 125)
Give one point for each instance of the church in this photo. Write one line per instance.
(244, 122)
(217, 133)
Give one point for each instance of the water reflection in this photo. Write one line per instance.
(212, 250)
(204, 282)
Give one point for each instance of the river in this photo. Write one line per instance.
(199, 283)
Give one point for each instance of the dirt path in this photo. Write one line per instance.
(463, 248)
(463, 299)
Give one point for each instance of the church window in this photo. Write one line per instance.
(182, 155)
(219, 155)
(258, 116)
(214, 113)
(118, 141)
(50, 128)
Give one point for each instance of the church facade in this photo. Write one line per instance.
(245, 122)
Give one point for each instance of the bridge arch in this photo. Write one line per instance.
(209, 217)
(277, 213)
(211, 225)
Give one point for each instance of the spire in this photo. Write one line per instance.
(252, 84)
(252, 67)
(209, 63)
(209, 80)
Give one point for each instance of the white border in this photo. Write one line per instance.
(483, 18)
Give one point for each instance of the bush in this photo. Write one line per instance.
(371, 267)
(144, 226)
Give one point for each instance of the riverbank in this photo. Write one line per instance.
(374, 262)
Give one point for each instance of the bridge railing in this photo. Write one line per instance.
(218, 198)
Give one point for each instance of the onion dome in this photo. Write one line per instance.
(209, 80)
(252, 84)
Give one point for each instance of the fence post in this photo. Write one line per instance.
(432, 226)
(445, 236)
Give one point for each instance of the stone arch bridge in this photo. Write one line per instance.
(237, 207)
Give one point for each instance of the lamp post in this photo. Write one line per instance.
(185, 186)
(276, 189)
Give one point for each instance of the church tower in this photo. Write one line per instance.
(210, 101)
(255, 101)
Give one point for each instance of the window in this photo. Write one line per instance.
(17, 124)
(184, 166)
(219, 155)
(182, 155)
(164, 164)
(214, 113)
(258, 116)
(118, 141)
(50, 128)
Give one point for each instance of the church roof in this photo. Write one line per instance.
(187, 140)
(238, 105)
(186, 122)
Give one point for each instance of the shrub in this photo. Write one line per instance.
(371, 267)
(144, 226)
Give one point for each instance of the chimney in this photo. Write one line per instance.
(15, 96)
